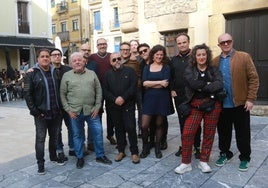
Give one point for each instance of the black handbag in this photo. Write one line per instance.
(184, 110)
(207, 106)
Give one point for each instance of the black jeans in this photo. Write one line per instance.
(125, 122)
(197, 138)
(41, 127)
(241, 120)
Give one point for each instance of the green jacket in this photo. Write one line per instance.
(80, 92)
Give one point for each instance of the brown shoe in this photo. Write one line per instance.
(135, 159)
(112, 140)
(120, 156)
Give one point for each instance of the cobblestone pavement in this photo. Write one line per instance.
(18, 165)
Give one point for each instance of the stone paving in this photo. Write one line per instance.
(18, 165)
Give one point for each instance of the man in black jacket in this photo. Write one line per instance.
(42, 98)
(119, 89)
(177, 85)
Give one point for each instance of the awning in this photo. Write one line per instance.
(24, 42)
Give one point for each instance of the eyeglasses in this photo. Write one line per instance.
(143, 51)
(54, 55)
(102, 44)
(84, 50)
(228, 42)
(118, 59)
(125, 49)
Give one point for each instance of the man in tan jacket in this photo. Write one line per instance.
(241, 82)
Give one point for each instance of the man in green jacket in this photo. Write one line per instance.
(81, 97)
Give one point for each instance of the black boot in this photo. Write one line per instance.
(158, 153)
(145, 151)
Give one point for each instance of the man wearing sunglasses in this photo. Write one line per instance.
(119, 90)
(241, 82)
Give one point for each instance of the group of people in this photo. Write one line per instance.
(212, 94)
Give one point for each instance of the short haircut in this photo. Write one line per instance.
(183, 34)
(55, 49)
(125, 43)
(42, 50)
(143, 45)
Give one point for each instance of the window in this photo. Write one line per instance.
(117, 41)
(116, 18)
(52, 3)
(23, 23)
(97, 21)
(63, 26)
(170, 41)
(53, 29)
(75, 25)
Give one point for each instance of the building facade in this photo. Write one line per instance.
(25, 25)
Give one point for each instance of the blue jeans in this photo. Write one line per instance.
(95, 127)
(67, 121)
(42, 126)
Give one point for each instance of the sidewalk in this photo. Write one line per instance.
(18, 167)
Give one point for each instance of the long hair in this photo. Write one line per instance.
(156, 49)
(192, 59)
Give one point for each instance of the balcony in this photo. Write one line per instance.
(64, 36)
(62, 7)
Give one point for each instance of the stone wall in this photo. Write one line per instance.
(168, 7)
(128, 14)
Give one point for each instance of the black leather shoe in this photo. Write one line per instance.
(62, 156)
(112, 140)
(178, 153)
(41, 169)
(103, 160)
(80, 163)
(144, 153)
(163, 145)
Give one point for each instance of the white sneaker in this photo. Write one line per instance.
(204, 167)
(183, 168)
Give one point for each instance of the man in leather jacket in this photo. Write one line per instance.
(42, 98)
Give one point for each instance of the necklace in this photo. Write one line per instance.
(202, 73)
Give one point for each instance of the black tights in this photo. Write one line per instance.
(146, 119)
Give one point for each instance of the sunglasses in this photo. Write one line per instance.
(226, 42)
(118, 59)
(143, 51)
(54, 55)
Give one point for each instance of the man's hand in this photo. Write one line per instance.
(173, 93)
(72, 115)
(119, 101)
(248, 106)
(94, 113)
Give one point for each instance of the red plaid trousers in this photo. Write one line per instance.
(190, 129)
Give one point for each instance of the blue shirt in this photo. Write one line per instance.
(227, 81)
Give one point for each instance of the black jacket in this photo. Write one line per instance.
(35, 90)
(122, 82)
(214, 84)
